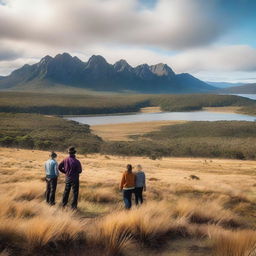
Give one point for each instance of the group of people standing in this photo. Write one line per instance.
(131, 183)
(72, 168)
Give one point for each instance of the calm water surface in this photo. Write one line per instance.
(164, 116)
(250, 96)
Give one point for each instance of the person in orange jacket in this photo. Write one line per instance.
(127, 185)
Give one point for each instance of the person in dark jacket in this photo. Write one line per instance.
(140, 185)
(51, 172)
(72, 168)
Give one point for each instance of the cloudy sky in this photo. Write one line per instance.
(211, 39)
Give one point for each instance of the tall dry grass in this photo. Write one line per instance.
(234, 243)
(206, 212)
(216, 211)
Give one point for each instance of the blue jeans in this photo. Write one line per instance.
(74, 184)
(127, 194)
(51, 184)
(139, 195)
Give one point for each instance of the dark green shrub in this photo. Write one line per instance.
(7, 141)
(25, 141)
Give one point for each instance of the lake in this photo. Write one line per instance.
(163, 116)
(249, 96)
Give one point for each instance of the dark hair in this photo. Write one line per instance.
(53, 154)
(129, 168)
(72, 150)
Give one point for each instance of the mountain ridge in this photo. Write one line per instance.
(223, 85)
(97, 74)
(242, 89)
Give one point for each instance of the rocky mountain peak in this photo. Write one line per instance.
(122, 65)
(161, 69)
(96, 60)
(45, 60)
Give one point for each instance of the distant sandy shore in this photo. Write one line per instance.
(151, 110)
(232, 109)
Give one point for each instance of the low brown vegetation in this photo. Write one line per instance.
(214, 215)
(125, 131)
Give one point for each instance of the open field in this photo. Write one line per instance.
(193, 207)
(122, 132)
(249, 110)
(222, 139)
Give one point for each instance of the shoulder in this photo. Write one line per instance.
(77, 161)
(52, 162)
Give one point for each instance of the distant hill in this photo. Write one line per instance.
(98, 75)
(223, 84)
(244, 89)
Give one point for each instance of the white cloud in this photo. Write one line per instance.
(217, 59)
(172, 24)
(122, 29)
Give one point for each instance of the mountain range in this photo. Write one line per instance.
(98, 75)
(224, 84)
(243, 89)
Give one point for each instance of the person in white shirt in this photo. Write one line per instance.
(140, 185)
(52, 173)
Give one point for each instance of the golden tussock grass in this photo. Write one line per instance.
(214, 215)
(99, 195)
(206, 212)
(234, 243)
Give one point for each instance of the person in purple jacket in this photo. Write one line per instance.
(72, 168)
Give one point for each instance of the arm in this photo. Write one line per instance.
(80, 167)
(61, 167)
(144, 187)
(56, 169)
(45, 168)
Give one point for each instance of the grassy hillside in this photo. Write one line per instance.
(199, 101)
(243, 89)
(64, 104)
(212, 214)
(249, 110)
(45, 132)
(196, 139)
